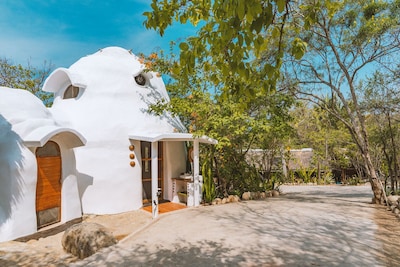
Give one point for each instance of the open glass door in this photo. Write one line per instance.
(146, 171)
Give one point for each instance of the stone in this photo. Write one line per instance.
(234, 198)
(396, 211)
(224, 200)
(255, 195)
(85, 239)
(246, 196)
(218, 201)
(275, 193)
(269, 194)
(263, 195)
(392, 200)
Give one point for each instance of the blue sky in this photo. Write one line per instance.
(63, 31)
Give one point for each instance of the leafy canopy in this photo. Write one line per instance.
(231, 35)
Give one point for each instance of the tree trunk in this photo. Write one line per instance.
(376, 187)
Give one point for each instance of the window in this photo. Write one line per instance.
(140, 80)
(71, 92)
(143, 79)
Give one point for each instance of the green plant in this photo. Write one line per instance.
(208, 182)
(306, 174)
(355, 180)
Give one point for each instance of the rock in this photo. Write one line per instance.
(396, 211)
(269, 194)
(255, 195)
(234, 198)
(263, 195)
(224, 200)
(275, 193)
(392, 200)
(218, 201)
(214, 202)
(246, 196)
(392, 208)
(85, 239)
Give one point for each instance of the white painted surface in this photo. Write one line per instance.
(25, 121)
(110, 107)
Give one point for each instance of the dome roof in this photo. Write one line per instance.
(115, 92)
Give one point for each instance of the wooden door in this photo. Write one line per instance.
(146, 171)
(48, 189)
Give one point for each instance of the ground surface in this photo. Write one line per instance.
(308, 226)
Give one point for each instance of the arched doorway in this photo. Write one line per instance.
(48, 188)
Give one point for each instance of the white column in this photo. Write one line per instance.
(196, 171)
(154, 179)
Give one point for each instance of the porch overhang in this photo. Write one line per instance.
(62, 77)
(40, 136)
(154, 137)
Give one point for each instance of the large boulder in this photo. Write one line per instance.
(85, 239)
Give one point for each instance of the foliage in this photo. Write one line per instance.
(238, 124)
(318, 50)
(355, 180)
(308, 175)
(208, 179)
(27, 78)
(381, 101)
(230, 36)
(345, 39)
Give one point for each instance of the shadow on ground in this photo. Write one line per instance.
(299, 229)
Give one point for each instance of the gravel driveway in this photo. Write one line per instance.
(307, 226)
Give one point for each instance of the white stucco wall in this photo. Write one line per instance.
(71, 207)
(175, 162)
(17, 188)
(110, 106)
(21, 113)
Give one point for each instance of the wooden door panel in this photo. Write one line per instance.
(48, 194)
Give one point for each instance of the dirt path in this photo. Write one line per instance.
(308, 226)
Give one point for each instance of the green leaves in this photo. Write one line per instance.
(232, 33)
(27, 78)
(299, 48)
(281, 5)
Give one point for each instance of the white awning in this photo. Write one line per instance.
(41, 135)
(61, 77)
(153, 137)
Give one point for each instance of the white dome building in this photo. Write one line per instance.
(97, 150)
(38, 178)
(130, 155)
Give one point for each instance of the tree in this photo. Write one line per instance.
(231, 36)
(27, 78)
(381, 102)
(238, 124)
(345, 40)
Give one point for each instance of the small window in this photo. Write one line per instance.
(71, 92)
(50, 149)
(141, 80)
